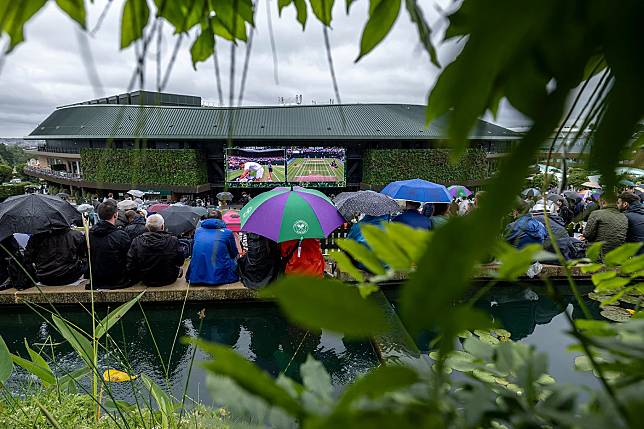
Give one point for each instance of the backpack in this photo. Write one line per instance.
(18, 278)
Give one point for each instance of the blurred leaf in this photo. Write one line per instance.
(183, 14)
(75, 9)
(367, 289)
(163, 400)
(478, 348)
(135, 17)
(231, 364)
(604, 275)
(424, 32)
(594, 251)
(384, 249)
(346, 266)
(622, 253)
(77, 340)
(322, 9)
(6, 365)
(582, 363)
(412, 240)
(612, 284)
(115, 315)
(119, 405)
(363, 255)
(231, 19)
(382, 15)
(377, 382)
(591, 268)
(318, 390)
(327, 304)
(633, 265)
(15, 15)
(203, 46)
(595, 327)
(515, 263)
(530, 372)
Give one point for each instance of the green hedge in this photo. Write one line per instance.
(7, 191)
(382, 166)
(174, 167)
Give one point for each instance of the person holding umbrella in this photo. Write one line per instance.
(411, 217)
(58, 256)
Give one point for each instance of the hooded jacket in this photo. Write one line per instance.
(108, 253)
(635, 233)
(608, 225)
(155, 258)
(564, 240)
(213, 255)
(525, 230)
(260, 265)
(136, 227)
(303, 258)
(57, 256)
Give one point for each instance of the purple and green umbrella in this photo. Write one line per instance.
(284, 214)
(459, 191)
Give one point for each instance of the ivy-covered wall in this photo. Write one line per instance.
(174, 167)
(382, 166)
(7, 191)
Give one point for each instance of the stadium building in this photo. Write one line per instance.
(172, 144)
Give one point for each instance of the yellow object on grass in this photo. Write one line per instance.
(116, 376)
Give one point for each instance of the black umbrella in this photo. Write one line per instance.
(572, 195)
(179, 219)
(557, 197)
(63, 196)
(225, 196)
(367, 202)
(35, 213)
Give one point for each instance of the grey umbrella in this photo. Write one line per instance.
(179, 219)
(530, 193)
(367, 202)
(35, 213)
(225, 196)
(200, 211)
(557, 197)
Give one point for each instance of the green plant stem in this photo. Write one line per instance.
(192, 361)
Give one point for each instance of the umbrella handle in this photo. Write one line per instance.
(299, 248)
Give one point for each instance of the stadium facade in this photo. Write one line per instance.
(173, 144)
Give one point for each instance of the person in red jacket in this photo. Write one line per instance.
(303, 257)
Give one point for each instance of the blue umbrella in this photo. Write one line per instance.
(417, 190)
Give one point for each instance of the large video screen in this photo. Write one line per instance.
(255, 166)
(267, 167)
(316, 166)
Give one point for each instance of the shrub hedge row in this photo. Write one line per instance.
(175, 167)
(7, 191)
(382, 166)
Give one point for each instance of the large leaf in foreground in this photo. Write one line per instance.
(78, 341)
(115, 315)
(378, 382)
(6, 364)
(327, 304)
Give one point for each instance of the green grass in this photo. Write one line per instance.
(315, 166)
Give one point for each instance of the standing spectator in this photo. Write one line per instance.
(303, 257)
(135, 224)
(630, 204)
(154, 257)
(411, 217)
(59, 256)
(108, 250)
(607, 225)
(214, 253)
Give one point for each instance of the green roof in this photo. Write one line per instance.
(315, 122)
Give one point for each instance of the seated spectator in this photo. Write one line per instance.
(135, 224)
(411, 217)
(303, 257)
(213, 253)
(607, 225)
(567, 245)
(439, 216)
(590, 207)
(155, 257)
(108, 250)
(260, 264)
(355, 232)
(59, 256)
(9, 249)
(564, 212)
(525, 229)
(630, 204)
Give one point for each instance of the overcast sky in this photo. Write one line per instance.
(48, 70)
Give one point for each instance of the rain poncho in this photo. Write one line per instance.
(213, 255)
(307, 260)
(525, 230)
(355, 233)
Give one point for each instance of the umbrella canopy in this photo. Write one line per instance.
(459, 191)
(591, 185)
(367, 202)
(232, 220)
(417, 190)
(179, 219)
(572, 195)
(556, 197)
(225, 196)
(199, 211)
(531, 193)
(594, 193)
(284, 214)
(35, 213)
(85, 208)
(127, 205)
(63, 196)
(156, 208)
(626, 182)
(136, 193)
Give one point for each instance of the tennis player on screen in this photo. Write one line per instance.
(252, 171)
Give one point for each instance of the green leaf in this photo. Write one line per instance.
(230, 18)
(382, 15)
(594, 251)
(424, 32)
(322, 9)
(384, 249)
(135, 17)
(300, 6)
(595, 327)
(231, 364)
(203, 47)
(15, 15)
(622, 253)
(75, 9)
(281, 4)
(478, 348)
(119, 405)
(327, 304)
(376, 383)
(346, 266)
(6, 364)
(77, 340)
(43, 374)
(612, 284)
(318, 390)
(515, 263)
(582, 363)
(115, 315)
(37, 359)
(367, 289)
(361, 254)
(633, 265)
(163, 400)
(600, 277)
(591, 268)
(412, 240)
(70, 380)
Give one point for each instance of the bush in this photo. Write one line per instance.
(175, 167)
(7, 191)
(6, 172)
(537, 181)
(382, 166)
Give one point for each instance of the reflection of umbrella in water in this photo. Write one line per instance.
(156, 208)
(225, 196)
(35, 213)
(200, 211)
(531, 193)
(179, 219)
(127, 205)
(367, 202)
(232, 220)
(418, 190)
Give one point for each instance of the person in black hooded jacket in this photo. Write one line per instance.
(59, 256)
(155, 257)
(135, 224)
(630, 204)
(108, 250)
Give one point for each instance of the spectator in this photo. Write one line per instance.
(213, 253)
(154, 257)
(303, 257)
(630, 204)
(525, 229)
(567, 244)
(135, 224)
(607, 225)
(108, 250)
(564, 212)
(260, 265)
(58, 256)
(439, 216)
(590, 207)
(355, 232)
(411, 217)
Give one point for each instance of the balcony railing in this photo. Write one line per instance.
(37, 171)
(47, 148)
